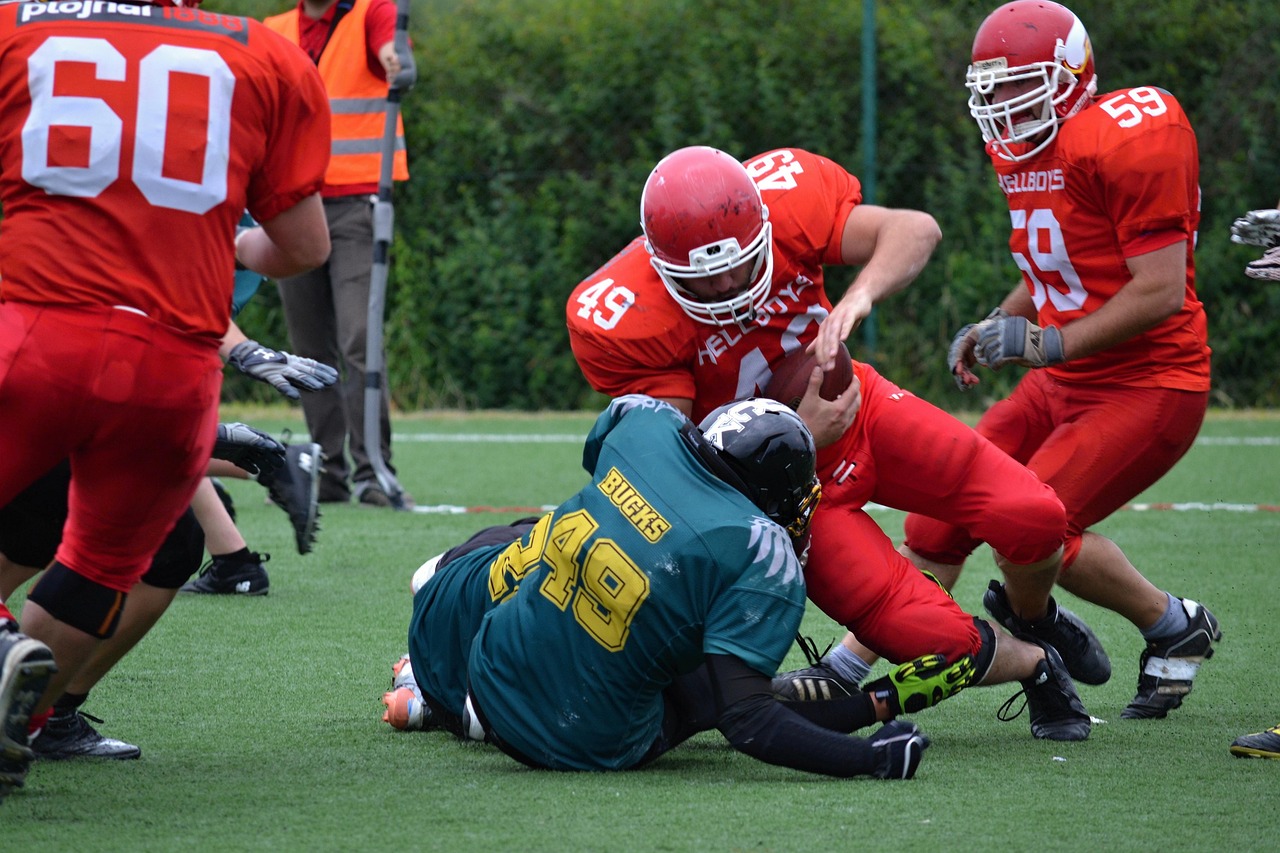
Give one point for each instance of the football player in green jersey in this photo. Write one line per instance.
(655, 603)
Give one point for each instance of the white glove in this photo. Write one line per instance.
(1266, 267)
(283, 371)
(1257, 228)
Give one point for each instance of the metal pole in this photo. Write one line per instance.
(383, 229)
(869, 130)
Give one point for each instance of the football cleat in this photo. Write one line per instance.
(1261, 745)
(295, 488)
(1167, 667)
(26, 665)
(1056, 710)
(818, 681)
(71, 736)
(405, 711)
(1084, 656)
(402, 674)
(812, 684)
(221, 576)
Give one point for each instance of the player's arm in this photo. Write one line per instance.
(1154, 294)
(758, 725)
(291, 242)
(1009, 334)
(892, 246)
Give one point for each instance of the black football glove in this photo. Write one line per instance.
(283, 371)
(899, 746)
(248, 448)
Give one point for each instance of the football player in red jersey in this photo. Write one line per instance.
(132, 139)
(727, 279)
(1105, 202)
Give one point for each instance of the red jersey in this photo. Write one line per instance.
(1121, 180)
(630, 336)
(132, 139)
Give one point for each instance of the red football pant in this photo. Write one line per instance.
(907, 454)
(1097, 446)
(131, 402)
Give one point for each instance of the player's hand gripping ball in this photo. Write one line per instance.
(791, 377)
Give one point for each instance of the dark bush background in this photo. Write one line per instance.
(533, 124)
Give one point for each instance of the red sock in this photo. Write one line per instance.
(6, 614)
(37, 722)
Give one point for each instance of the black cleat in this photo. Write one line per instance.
(1261, 745)
(1056, 710)
(1167, 667)
(1083, 655)
(295, 488)
(71, 736)
(221, 576)
(812, 684)
(26, 665)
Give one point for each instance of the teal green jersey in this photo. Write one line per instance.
(653, 565)
(446, 614)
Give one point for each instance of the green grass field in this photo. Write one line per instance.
(260, 726)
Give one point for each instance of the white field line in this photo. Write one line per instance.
(575, 438)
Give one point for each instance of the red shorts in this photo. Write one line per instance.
(1097, 446)
(131, 402)
(907, 454)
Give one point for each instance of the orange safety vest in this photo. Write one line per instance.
(357, 99)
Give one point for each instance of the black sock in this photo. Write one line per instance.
(241, 556)
(68, 703)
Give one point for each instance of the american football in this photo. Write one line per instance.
(791, 377)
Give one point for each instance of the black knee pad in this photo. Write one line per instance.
(78, 601)
(31, 525)
(180, 555)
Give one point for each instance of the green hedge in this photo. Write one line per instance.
(534, 123)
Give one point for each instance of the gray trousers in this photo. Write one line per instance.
(326, 311)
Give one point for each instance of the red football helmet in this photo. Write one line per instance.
(1032, 68)
(702, 215)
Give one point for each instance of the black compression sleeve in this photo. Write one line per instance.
(844, 714)
(757, 724)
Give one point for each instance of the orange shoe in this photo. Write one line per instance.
(402, 673)
(405, 711)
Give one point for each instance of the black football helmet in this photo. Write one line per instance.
(767, 453)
